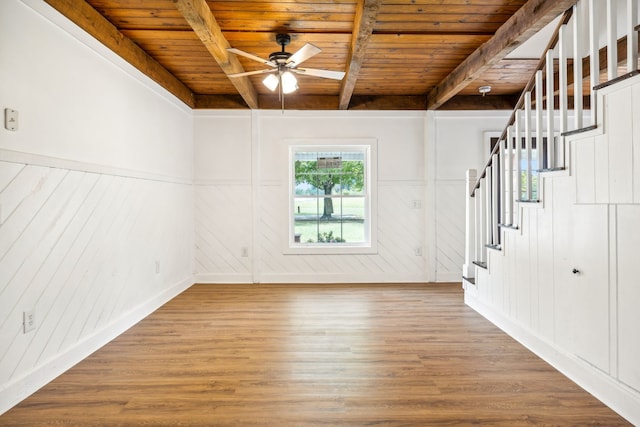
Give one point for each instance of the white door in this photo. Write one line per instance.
(581, 234)
(628, 295)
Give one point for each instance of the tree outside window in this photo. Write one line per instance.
(329, 196)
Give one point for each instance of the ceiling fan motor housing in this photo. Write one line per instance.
(283, 40)
(279, 57)
(282, 56)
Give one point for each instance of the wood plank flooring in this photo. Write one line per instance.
(298, 355)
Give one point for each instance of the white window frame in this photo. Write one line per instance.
(370, 246)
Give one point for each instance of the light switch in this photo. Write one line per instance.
(10, 119)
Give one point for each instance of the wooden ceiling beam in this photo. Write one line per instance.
(527, 21)
(365, 19)
(299, 102)
(359, 102)
(388, 102)
(87, 18)
(199, 16)
(479, 102)
(220, 102)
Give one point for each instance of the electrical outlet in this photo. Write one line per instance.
(28, 320)
(416, 204)
(157, 267)
(417, 251)
(244, 252)
(10, 119)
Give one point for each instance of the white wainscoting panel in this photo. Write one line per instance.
(450, 220)
(628, 317)
(223, 228)
(401, 230)
(90, 254)
(224, 225)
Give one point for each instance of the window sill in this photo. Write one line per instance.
(330, 250)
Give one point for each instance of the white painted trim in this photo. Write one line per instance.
(256, 197)
(612, 393)
(238, 114)
(21, 388)
(430, 211)
(213, 278)
(404, 183)
(461, 114)
(221, 182)
(448, 276)
(221, 278)
(369, 146)
(74, 165)
(347, 114)
(278, 183)
(342, 278)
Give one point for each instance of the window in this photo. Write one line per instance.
(330, 199)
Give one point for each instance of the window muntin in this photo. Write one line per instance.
(330, 200)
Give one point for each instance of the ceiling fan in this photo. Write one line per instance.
(284, 64)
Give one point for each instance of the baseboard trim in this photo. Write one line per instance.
(16, 391)
(449, 276)
(620, 398)
(240, 278)
(314, 278)
(342, 278)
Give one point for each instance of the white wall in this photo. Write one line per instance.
(461, 143)
(96, 198)
(241, 196)
(240, 164)
(97, 207)
(564, 284)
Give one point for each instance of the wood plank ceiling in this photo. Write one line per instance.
(397, 54)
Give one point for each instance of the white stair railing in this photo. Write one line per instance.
(534, 139)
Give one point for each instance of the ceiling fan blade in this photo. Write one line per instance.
(252, 73)
(326, 74)
(250, 56)
(304, 53)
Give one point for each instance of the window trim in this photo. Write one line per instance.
(371, 208)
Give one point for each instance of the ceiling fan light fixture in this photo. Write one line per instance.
(271, 82)
(289, 82)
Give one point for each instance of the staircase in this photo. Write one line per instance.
(550, 99)
(553, 220)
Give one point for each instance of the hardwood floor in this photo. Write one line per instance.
(335, 355)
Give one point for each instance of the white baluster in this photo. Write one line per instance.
(562, 77)
(482, 220)
(594, 61)
(632, 36)
(550, 111)
(539, 136)
(479, 240)
(495, 191)
(577, 66)
(468, 269)
(509, 176)
(612, 43)
(518, 152)
(502, 155)
(527, 141)
(488, 205)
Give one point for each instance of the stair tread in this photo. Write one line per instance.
(480, 264)
(581, 130)
(617, 80)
